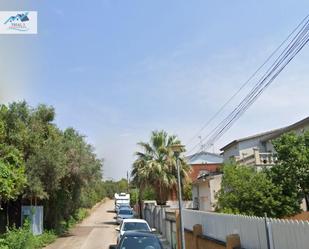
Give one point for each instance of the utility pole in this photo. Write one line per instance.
(128, 182)
(177, 149)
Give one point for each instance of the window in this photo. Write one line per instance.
(137, 226)
(140, 242)
(125, 211)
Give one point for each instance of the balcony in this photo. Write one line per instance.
(258, 159)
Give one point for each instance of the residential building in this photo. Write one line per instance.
(206, 179)
(204, 190)
(257, 150)
(201, 163)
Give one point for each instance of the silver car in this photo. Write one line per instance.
(124, 214)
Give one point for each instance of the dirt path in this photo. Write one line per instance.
(95, 232)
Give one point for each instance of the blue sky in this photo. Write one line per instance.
(116, 70)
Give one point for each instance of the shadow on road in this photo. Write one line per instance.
(110, 223)
(66, 235)
(110, 211)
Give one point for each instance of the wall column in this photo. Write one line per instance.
(232, 241)
(197, 231)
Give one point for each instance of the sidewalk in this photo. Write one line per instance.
(164, 241)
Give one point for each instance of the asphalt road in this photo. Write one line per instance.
(95, 232)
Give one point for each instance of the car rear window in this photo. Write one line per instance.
(125, 211)
(137, 226)
(140, 242)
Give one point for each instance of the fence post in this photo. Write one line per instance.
(171, 234)
(197, 230)
(232, 241)
(267, 231)
(178, 231)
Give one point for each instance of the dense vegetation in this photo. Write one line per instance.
(246, 191)
(22, 238)
(277, 191)
(113, 187)
(42, 164)
(155, 166)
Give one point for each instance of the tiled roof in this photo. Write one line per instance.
(204, 158)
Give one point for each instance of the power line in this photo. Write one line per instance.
(257, 92)
(290, 51)
(246, 82)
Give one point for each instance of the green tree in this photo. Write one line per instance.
(246, 191)
(122, 185)
(12, 167)
(155, 165)
(12, 174)
(292, 170)
(187, 191)
(61, 168)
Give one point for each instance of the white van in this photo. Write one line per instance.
(121, 198)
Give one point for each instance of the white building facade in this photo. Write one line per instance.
(257, 150)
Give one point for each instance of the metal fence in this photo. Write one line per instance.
(164, 220)
(283, 234)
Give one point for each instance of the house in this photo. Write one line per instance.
(257, 150)
(206, 179)
(204, 190)
(201, 163)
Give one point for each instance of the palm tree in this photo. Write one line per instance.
(155, 165)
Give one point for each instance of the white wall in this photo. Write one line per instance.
(215, 186)
(204, 196)
(284, 234)
(243, 148)
(230, 152)
(246, 147)
(206, 192)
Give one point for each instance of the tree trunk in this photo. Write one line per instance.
(140, 194)
(7, 215)
(307, 202)
(161, 195)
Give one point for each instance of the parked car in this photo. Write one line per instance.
(124, 214)
(138, 240)
(133, 225)
(121, 198)
(122, 205)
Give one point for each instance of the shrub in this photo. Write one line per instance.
(22, 238)
(81, 214)
(45, 239)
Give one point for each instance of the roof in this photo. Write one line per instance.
(207, 176)
(268, 135)
(289, 128)
(204, 158)
(121, 196)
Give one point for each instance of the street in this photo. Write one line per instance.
(96, 232)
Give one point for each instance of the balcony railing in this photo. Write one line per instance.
(267, 159)
(258, 159)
